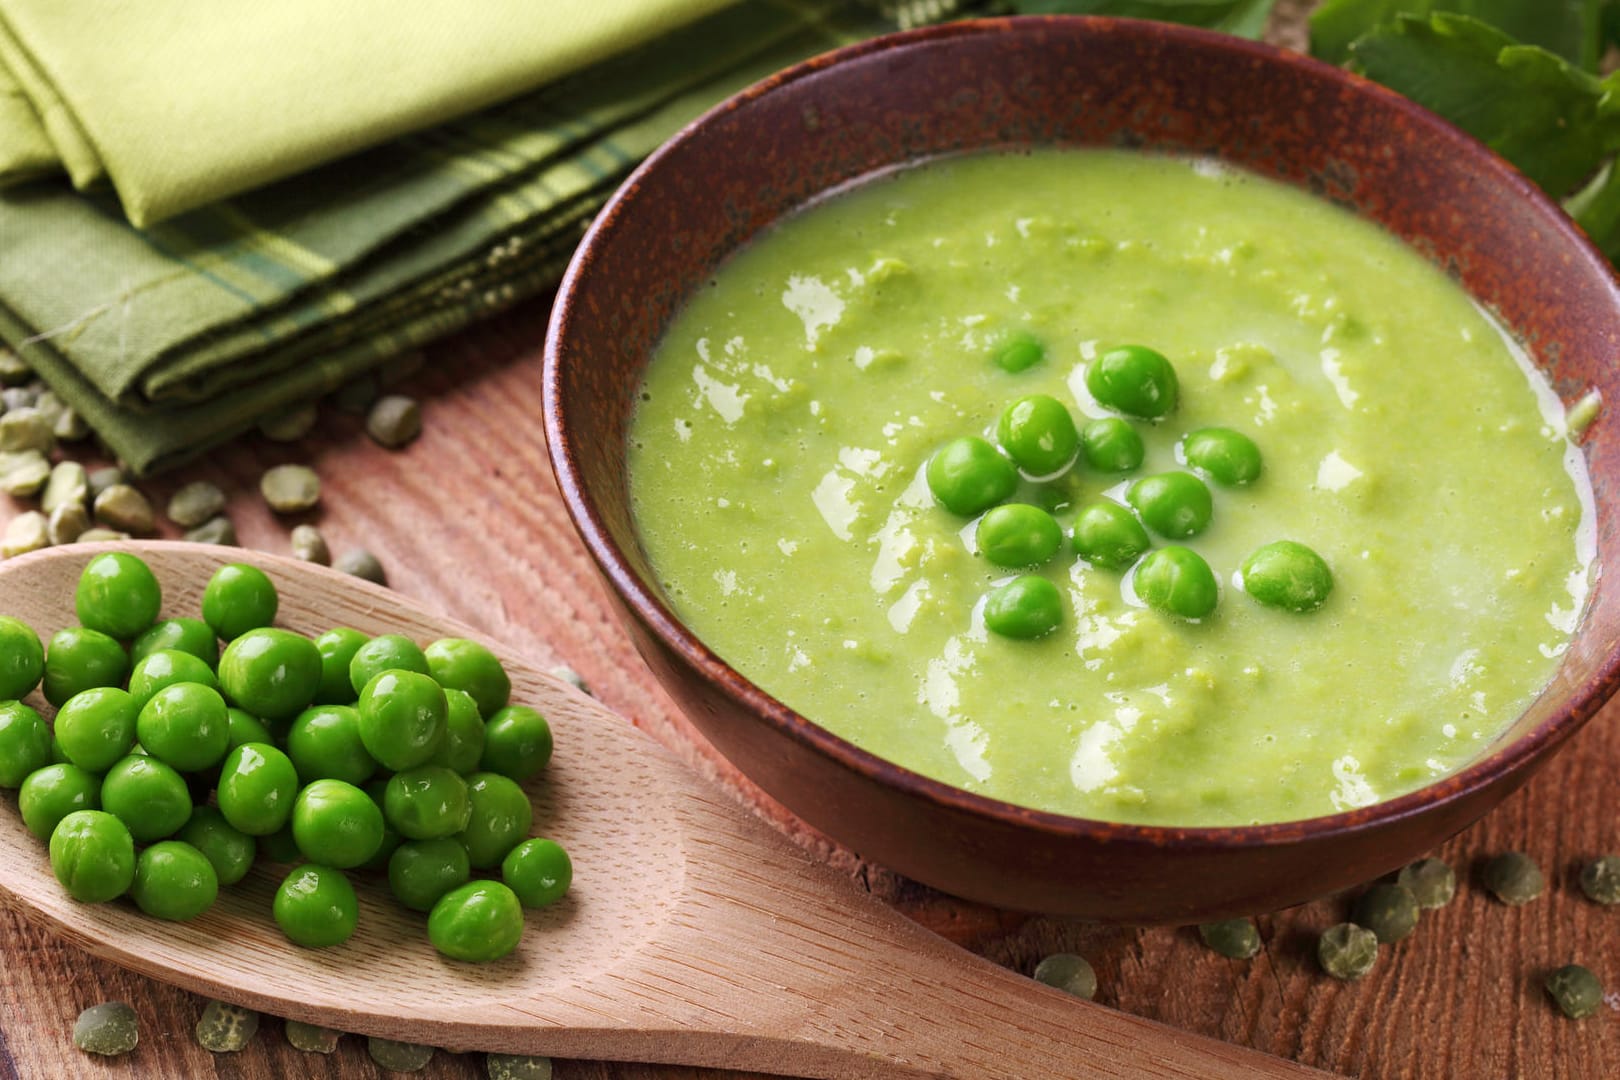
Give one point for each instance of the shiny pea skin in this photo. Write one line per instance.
(1225, 456)
(165, 667)
(25, 743)
(182, 635)
(421, 871)
(93, 856)
(517, 743)
(97, 727)
(324, 744)
(258, 786)
(389, 652)
(1017, 351)
(337, 648)
(1016, 535)
(229, 850)
(499, 820)
(1175, 505)
(1023, 608)
(271, 673)
(1288, 575)
(459, 664)
(1135, 380)
(239, 598)
(22, 659)
(185, 725)
(402, 718)
(118, 595)
(52, 793)
(316, 907)
(174, 881)
(1176, 581)
(1112, 445)
(148, 796)
(246, 728)
(336, 824)
(478, 922)
(80, 659)
(539, 871)
(1108, 535)
(968, 476)
(464, 734)
(1038, 433)
(426, 802)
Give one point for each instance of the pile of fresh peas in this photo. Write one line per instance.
(338, 754)
(1038, 437)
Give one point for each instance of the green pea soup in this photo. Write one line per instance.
(777, 463)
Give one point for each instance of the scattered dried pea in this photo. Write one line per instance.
(1514, 878)
(109, 1029)
(517, 1067)
(26, 428)
(1576, 991)
(571, 677)
(394, 421)
(101, 536)
(290, 489)
(311, 1038)
(28, 531)
(289, 425)
(23, 472)
(1432, 882)
(1068, 972)
(122, 507)
(68, 484)
(67, 523)
(217, 530)
(398, 1056)
(1600, 880)
(225, 1028)
(70, 426)
(1389, 911)
(362, 564)
(308, 544)
(18, 397)
(196, 503)
(1236, 938)
(13, 370)
(102, 479)
(1347, 951)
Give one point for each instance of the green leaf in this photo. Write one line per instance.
(1596, 209)
(1571, 28)
(1244, 17)
(1552, 120)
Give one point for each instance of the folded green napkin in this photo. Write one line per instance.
(174, 338)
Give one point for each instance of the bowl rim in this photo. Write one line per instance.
(1508, 761)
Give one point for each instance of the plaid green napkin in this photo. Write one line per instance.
(172, 339)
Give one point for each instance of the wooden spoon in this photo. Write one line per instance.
(693, 933)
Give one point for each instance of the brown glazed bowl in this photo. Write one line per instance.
(1068, 81)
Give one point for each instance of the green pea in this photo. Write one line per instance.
(1176, 581)
(81, 659)
(1135, 380)
(117, 595)
(402, 719)
(25, 743)
(246, 728)
(324, 743)
(271, 673)
(1016, 351)
(1287, 575)
(421, 871)
(185, 725)
(1173, 504)
(390, 652)
(459, 664)
(1433, 883)
(1347, 951)
(22, 659)
(1112, 445)
(316, 907)
(1038, 434)
(97, 727)
(398, 1056)
(279, 847)
(336, 824)
(1226, 456)
(182, 635)
(517, 743)
(257, 789)
(479, 922)
(1389, 910)
(229, 850)
(377, 790)
(1025, 607)
(108, 1029)
(499, 820)
(52, 793)
(538, 871)
(174, 881)
(1016, 535)
(93, 856)
(337, 648)
(1514, 878)
(464, 734)
(166, 667)
(1069, 972)
(426, 802)
(968, 476)
(1575, 990)
(239, 598)
(1238, 939)
(146, 795)
(1108, 535)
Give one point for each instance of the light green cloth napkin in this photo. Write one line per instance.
(172, 339)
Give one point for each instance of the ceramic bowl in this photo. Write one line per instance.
(1068, 82)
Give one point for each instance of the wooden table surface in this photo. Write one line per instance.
(468, 521)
